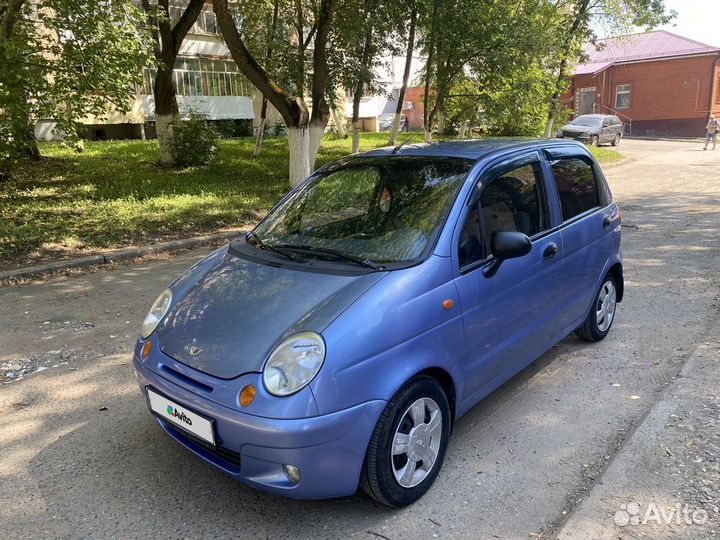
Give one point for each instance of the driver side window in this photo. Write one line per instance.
(512, 201)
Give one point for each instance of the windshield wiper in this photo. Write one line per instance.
(335, 253)
(272, 247)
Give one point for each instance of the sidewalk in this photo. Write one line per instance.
(665, 481)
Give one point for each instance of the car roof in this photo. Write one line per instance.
(471, 149)
(597, 116)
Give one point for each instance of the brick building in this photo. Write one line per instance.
(657, 83)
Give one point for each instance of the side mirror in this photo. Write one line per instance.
(506, 245)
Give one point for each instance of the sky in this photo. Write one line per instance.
(696, 19)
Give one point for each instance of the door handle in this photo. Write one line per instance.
(607, 221)
(550, 251)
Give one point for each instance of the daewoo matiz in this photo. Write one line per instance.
(335, 344)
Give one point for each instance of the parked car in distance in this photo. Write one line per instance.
(337, 343)
(385, 122)
(594, 129)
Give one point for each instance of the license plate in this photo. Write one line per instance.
(181, 416)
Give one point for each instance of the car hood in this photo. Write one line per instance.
(229, 313)
(578, 129)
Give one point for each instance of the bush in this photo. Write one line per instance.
(193, 141)
(233, 128)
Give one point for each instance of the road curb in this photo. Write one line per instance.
(117, 255)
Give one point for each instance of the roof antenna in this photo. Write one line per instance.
(399, 146)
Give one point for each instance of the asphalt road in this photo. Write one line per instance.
(81, 456)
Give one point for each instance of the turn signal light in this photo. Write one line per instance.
(146, 349)
(247, 395)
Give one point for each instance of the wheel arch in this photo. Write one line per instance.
(445, 380)
(616, 270)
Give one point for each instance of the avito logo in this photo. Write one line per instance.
(179, 415)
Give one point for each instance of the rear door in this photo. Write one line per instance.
(589, 220)
(606, 133)
(509, 318)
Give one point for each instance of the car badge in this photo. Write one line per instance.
(193, 350)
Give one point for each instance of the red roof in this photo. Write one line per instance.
(646, 46)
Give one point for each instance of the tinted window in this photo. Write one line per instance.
(383, 209)
(512, 201)
(587, 121)
(576, 186)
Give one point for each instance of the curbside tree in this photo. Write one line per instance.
(65, 61)
(305, 131)
(167, 39)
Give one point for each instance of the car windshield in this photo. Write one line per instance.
(385, 210)
(587, 121)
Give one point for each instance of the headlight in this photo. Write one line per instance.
(294, 363)
(156, 313)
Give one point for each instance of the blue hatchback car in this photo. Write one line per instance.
(336, 344)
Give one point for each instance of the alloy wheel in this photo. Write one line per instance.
(605, 307)
(416, 442)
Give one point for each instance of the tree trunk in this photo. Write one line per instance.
(317, 132)
(261, 129)
(463, 129)
(292, 108)
(298, 144)
(427, 128)
(163, 132)
(320, 107)
(268, 56)
(357, 97)
(167, 46)
(554, 99)
(338, 112)
(31, 147)
(166, 111)
(441, 123)
(406, 77)
(580, 14)
(339, 120)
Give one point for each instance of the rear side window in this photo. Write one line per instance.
(577, 186)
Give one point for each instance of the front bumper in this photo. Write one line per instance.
(583, 137)
(329, 450)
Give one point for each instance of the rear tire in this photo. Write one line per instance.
(602, 312)
(616, 140)
(414, 425)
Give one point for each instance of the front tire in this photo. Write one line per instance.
(407, 447)
(602, 312)
(595, 141)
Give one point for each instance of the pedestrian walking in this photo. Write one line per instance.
(712, 128)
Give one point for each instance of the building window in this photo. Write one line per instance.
(206, 22)
(202, 77)
(622, 96)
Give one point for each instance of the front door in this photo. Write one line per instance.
(585, 101)
(509, 318)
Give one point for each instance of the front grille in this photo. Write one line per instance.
(228, 456)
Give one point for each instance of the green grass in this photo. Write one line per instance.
(605, 155)
(114, 194)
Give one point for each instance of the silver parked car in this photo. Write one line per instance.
(594, 129)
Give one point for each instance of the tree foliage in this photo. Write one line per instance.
(65, 60)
